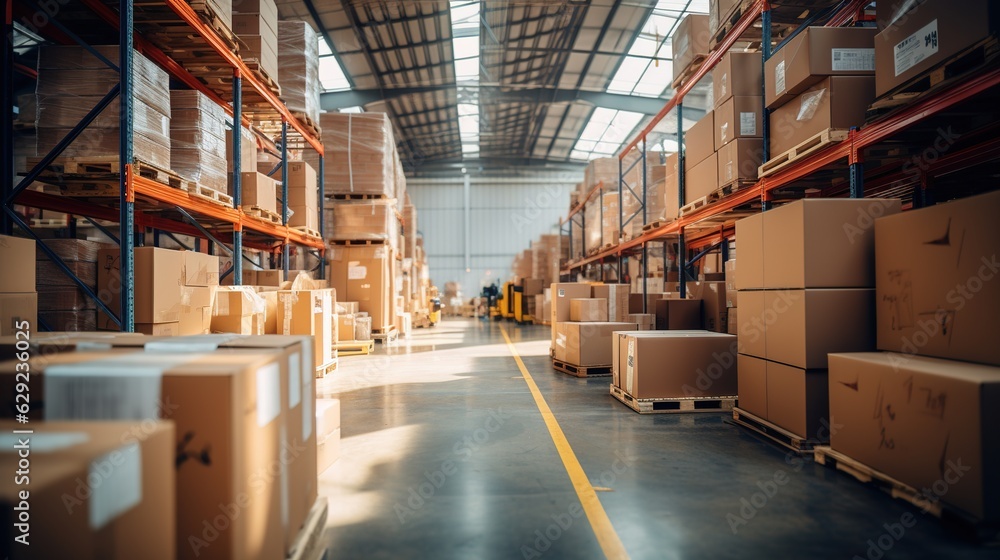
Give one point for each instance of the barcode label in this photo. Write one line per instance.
(916, 48)
(853, 60)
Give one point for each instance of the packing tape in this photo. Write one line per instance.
(195, 343)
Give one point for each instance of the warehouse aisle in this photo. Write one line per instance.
(446, 455)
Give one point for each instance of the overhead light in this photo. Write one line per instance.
(463, 170)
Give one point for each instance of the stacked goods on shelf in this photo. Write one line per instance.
(363, 219)
(139, 486)
(256, 23)
(936, 299)
(18, 299)
(298, 68)
(546, 255)
(197, 301)
(311, 313)
(822, 79)
(223, 393)
(701, 163)
(198, 139)
(601, 171)
(610, 218)
(159, 275)
(62, 305)
(714, 310)
(654, 192)
(239, 310)
(303, 196)
(410, 225)
(522, 265)
(248, 151)
(360, 152)
(257, 190)
(690, 45)
(366, 274)
(737, 86)
(916, 37)
(674, 364)
(718, 14)
(71, 81)
(221, 9)
(593, 224)
(806, 288)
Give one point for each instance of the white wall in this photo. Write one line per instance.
(504, 216)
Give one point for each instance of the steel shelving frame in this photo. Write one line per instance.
(709, 231)
(219, 224)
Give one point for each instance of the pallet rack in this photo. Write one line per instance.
(202, 58)
(877, 153)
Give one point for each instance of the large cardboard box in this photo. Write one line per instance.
(815, 53)
(365, 274)
(562, 294)
(257, 189)
(731, 298)
(936, 281)
(836, 102)
(345, 327)
(18, 312)
(588, 309)
(750, 245)
(248, 149)
(200, 269)
(690, 40)
(752, 382)
(926, 422)
(714, 312)
(818, 243)
(644, 321)
(303, 189)
(803, 326)
(679, 364)
(197, 303)
(127, 512)
(702, 180)
(159, 275)
(238, 310)
(15, 250)
(739, 74)
(739, 117)
(587, 344)
(927, 35)
(532, 286)
(617, 296)
(172, 328)
(699, 141)
(732, 321)
(751, 323)
(309, 312)
(678, 314)
(797, 400)
(739, 160)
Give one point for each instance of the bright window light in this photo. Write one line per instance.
(331, 74)
(605, 133)
(355, 109)
(465, 46)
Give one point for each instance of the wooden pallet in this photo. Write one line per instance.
(206, 12)
(49, 222)
(385, 335)
(655, 225)
(326, 369)
(700, 203)
(802, 150)
(358, 196)
(774, 433)
(354, 347)
(307, 231)
(308, 545)
(263, 214)
(201, 191)
(783, 21)
(673, 406)
(270, 83)
(98, 176)
(171, 31)
(689, 71)
(367, 241)
(581, 371)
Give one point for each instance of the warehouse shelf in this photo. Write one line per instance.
(204, 57)
(824, 170)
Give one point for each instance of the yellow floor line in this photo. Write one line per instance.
(610, 543)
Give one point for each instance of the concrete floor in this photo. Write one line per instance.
(446, 455)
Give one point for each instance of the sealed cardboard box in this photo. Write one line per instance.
(714, 312)
(345, 327)
(803, 326)
(587, 344)
(927, 35)
(364, 274)
(532, 286)
(719, 12)
(159, 329)
(936, 281)
(588, 309)
(680, 364)
(257, 189)
(328, 451)
(309, 312)
(731, 292)
(238, 310)
(699, 141)
(644, 321)
(562, 294)
(922, 421)
(159, 275)
(690, 40)
(678, 314)
(752, 382)
(751, 323)
(200, 269)
(838, 102)
(815, 53)
(18, 312)
(732, 321)
(197, 303)
(819, 243)
(248, 149)
(302, 187)
(750, 244)
(21, 251)
(129, 514)
(617, 296)
(739, 117)
(797, 400)
(368, 219)
(739, 160)
(702, 180)
(739, 74)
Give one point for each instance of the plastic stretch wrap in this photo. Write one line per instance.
(368, 219)
(71, 81)
(69, 321)
(610, 218)
(600, 170)
(47, 273)
(63, 298)
(362, 327)
(593, 225)
(198, 139)
(74, 249)
(359, 153)
(298, 68)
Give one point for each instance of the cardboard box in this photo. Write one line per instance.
(739, 74)
(916, 419)
(699, 141)
(129, 514)
(927, 35)
(364, 274)
(719, 12)
(815, 53)
(836, 102)
(303, 190)
(587, 344)
(327, 451)
(935, 280)
(15, 310)
(731, 293)
(588, 309)
(309, 312)
(257, 189)
(702, 180)
(248, 149)
(562, 294)
(159, 329)
(345, 327)
(798, 400)
(200, 269)
(679, 364)
(197, 303)
(617, 296)
(690, 40)
(159, 275)
(752, 382)
(739, 160)
(304, 216)
(750, 245)
(732, 321)
(644, 321)
(238, 310)
(532, 286)
(714, 312)
(803, 326)
(739, 117)
(17, 250)
(750, 323)
(819, 243)
(678, 314)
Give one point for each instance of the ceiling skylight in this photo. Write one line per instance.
(331, 73)
(465, 47)
(606, 131)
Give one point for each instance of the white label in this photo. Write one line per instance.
(125, 388)
(630, 367)
(357, 272)
(722, 86)
(562, 292)
(45, 442)
(294, 380)
(916, 48)
(268, 393)
(115, 481)
(779, 78)
(748, 124)
(853, 60)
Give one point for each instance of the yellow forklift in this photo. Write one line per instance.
(507, 300)
(521, 315)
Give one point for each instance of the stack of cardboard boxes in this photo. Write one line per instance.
(658, 206)
(360, 152)
(736, 84)
(689, 44)
(18, 299)
(303, 196)
(806, 288)
(256, 23)
(62, 304)
(298, 68)
(600, 213)
(583, 322)
(927, 402)
(198, 139)
(366, 274)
